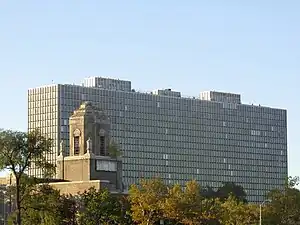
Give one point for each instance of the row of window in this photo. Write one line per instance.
(203, 163)
(266, 172)
(197, 166)
(93, 94)
(48, 92)
(216, 146)
(199, 137)
(145, 124)
(164, 134)
(69, 91)
(51, 117)
(160, 133)
(251, 188)
(198, 149)
(42, 90)
(188, 151)
(184, 117)
(248, 182)
(200, 143)
(207, 154)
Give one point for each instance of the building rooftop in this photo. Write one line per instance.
(125, 86)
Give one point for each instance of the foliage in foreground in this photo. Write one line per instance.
(18, 151)
(148, 203)
(152, 202)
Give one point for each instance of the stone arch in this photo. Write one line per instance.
(102, 132)
(77, 133)
(103, 140)
(76, 141)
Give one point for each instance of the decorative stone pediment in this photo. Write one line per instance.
(77, 133)
(102, 132)
(89, 158)
(89, 121)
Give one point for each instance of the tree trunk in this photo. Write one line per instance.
(18, 201)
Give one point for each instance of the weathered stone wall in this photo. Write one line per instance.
(76, 187)
(77, 168)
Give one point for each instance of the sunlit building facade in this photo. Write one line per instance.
(212, 138)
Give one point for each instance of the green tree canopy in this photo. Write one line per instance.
(230, 188)
(41, 206)
(114, 149)
(146, 200)
(100, 207)
(284, 205)
(18, 151)
(234, 211)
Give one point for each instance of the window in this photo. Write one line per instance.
(102, 145)
(62, 129)
(255, 132)
(106, 166)
(76, 145)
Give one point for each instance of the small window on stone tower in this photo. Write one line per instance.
(102, 145)
(76, 145)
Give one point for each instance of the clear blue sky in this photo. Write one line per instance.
(247, 47)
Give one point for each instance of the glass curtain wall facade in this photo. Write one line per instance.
(176, 138)
(43, 113)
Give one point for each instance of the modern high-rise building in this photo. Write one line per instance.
(212, 138)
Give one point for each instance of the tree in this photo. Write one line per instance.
(17, 152)
(146, 201)
(68, 208)
(126, 218)
(42, 206)
(114, 149)
(192, 203)
(230, 188)
(99, 207)
(173, 206)
(284, 205)
(209, 192)
(233, 211)
(197, 209)
(188, 206)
